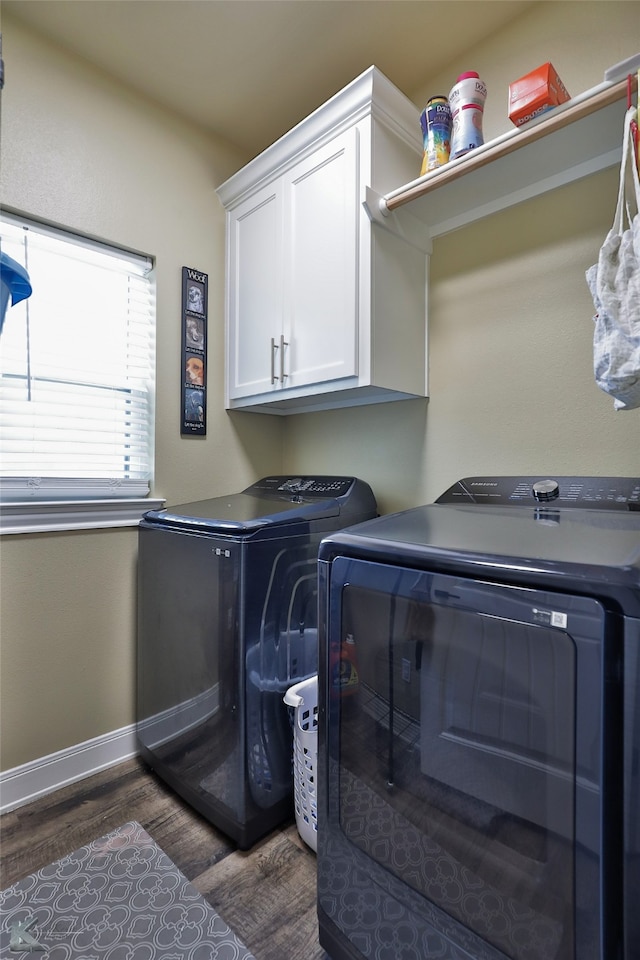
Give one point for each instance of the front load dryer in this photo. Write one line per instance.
(478, 788)
(227, 621)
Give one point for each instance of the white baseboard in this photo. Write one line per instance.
(22, 784)
(32, 780)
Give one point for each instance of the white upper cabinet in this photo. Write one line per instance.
(323, 307)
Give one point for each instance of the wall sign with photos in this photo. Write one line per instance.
(194, 352)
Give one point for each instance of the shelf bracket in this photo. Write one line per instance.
(400, 222)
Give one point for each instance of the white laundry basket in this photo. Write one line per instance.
(303, 697)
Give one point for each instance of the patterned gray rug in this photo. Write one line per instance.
(118, 898)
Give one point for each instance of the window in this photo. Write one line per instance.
(77, 362)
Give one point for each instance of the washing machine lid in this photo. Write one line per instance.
(270, 502)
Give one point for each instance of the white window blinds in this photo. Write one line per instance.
(77, 363)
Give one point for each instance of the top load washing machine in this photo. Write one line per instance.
(227, 621)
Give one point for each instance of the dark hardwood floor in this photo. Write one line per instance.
(267, 895)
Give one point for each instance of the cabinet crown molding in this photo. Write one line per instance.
(371, 94)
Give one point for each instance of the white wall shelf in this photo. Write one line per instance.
(575, 140)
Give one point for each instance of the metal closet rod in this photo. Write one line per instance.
(473, 161)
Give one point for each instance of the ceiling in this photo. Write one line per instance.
(249, 70)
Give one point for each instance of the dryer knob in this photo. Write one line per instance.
(544, 490)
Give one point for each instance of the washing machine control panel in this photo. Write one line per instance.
(586, 493)
(314, 486)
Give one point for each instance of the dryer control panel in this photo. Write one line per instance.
(585, 493)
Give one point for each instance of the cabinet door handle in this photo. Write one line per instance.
(283, 344)
(274, 347)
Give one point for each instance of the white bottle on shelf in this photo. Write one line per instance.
(467, 99)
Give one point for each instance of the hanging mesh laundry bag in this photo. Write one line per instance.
(614, 282)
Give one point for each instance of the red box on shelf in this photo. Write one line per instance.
(535, 93)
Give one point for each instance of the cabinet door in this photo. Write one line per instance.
(321, 257)
(254, 277)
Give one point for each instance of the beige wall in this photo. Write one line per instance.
(68, 616)
(84, 152)
(510, 347)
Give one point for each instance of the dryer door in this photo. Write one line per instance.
(464, 767)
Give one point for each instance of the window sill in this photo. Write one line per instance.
(50, 516)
